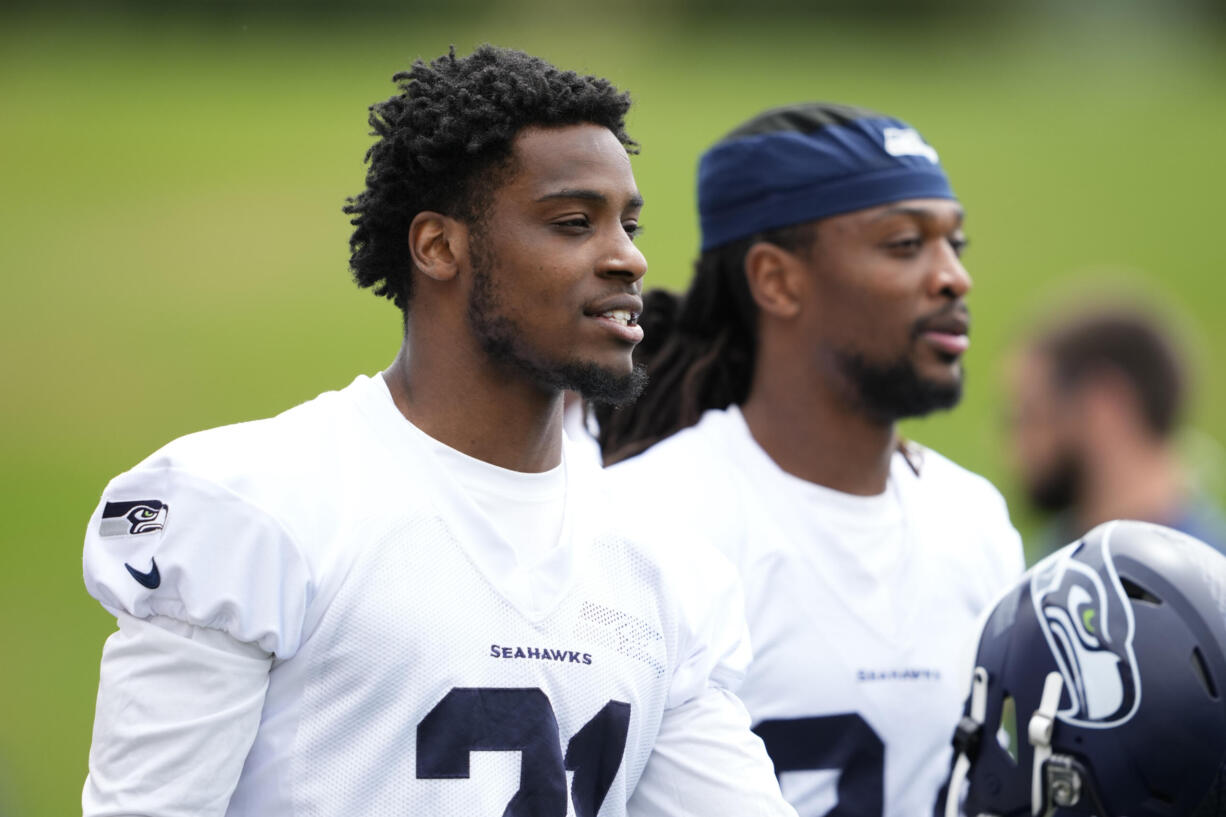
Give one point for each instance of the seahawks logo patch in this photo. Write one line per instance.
(1089, 627)
(908, 142)
(128, 518)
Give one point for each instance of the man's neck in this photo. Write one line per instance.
(813, 435)
(478, 410)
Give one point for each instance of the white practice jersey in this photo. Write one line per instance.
(395, 654)
(860, 609)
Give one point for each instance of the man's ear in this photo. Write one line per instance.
(438, 244)
(773, 275)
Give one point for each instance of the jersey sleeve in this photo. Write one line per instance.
(166, 542)
(707, 761)
(177, 713)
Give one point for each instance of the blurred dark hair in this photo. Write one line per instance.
(444, 144)
(698, 349)
(1127, 343)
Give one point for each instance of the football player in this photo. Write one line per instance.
(1105, 668)
(407, 596)
(829, 303)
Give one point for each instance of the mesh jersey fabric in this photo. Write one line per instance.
(418, 667)
(859, 608)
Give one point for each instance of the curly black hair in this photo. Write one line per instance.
(444, 144)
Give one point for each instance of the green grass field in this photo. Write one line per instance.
(174, 255)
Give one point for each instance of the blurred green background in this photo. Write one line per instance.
(174, 255)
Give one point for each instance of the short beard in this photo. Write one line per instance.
(1059, 488)
(502, 342)
(895, 391)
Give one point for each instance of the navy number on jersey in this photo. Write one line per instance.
(521, 719)
(844, 742)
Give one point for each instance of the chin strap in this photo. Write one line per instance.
(966, 741)
(1042, 726)
(1057, 780)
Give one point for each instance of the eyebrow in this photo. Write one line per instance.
(588, 195)
(921, 213)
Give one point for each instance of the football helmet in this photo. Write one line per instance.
(1111, 654)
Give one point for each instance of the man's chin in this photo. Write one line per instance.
(941, 374)
(899, 390)
(925, 389)
(941, 393)
(602, 385)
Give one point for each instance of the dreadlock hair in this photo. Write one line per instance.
(698, 349)
(444, 144)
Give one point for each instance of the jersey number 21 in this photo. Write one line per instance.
(498, 719)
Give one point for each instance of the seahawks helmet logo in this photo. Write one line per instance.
(1088, 624)
(908, 142)
(141, 516)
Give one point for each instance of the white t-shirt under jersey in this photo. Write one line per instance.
(316, 618)
(527, 509)
(859, 607)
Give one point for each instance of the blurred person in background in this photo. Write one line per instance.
(1096, 399)
(409, 596)
(828, 304)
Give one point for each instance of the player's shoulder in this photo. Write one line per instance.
(965, 506)
(687, 449)
(686, 482)
(233, 528)
(271, 473)
(659, 501)
(289, 437)
(303, 444)
(939, 475)
(694, 460)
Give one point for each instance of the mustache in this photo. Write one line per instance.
(953, 316)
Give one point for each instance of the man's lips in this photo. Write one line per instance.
(948, 333)
(620, 314)
(948, 342)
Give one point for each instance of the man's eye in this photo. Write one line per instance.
(575, 223)
(633, 229)
(906, 244)
(959, 245)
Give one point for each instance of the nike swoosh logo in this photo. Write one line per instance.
(151, 579)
